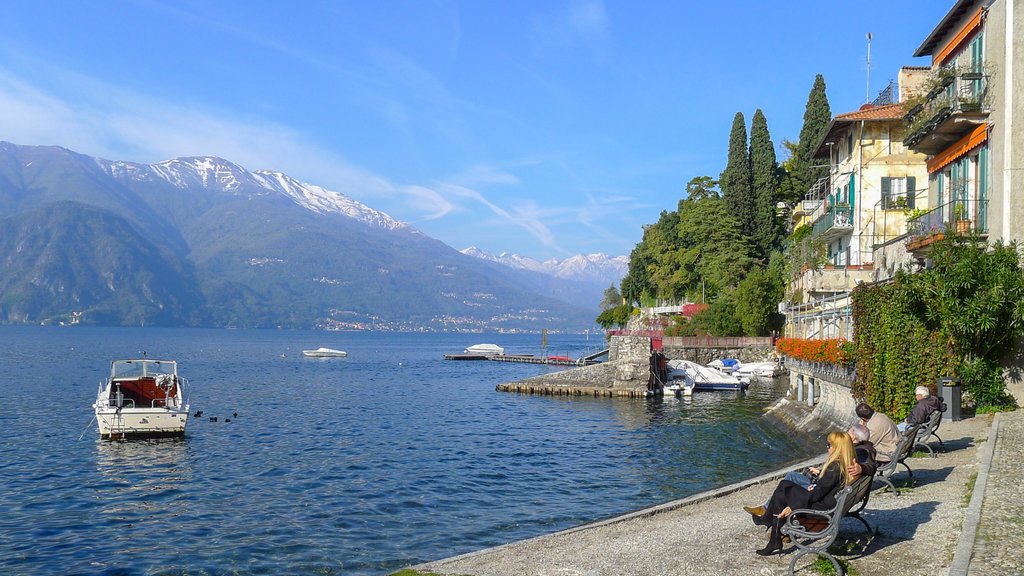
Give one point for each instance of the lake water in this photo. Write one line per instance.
(357, 465)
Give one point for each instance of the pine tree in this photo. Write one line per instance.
(735, 182)
(765, 181)
(802, 173)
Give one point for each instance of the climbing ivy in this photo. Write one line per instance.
(959, 318)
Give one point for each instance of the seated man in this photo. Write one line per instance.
(863, 465)
(882, 431)
(926, 404)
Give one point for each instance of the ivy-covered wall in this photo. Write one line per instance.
(958, 318)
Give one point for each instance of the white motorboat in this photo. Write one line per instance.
(324, 353)
(142, 398)
(747, 369)
(485, 350)
(760, 369)
(688, 377)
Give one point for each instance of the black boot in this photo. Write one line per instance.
(774, 541)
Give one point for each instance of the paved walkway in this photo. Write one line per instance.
(937, 526)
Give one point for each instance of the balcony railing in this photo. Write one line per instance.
(956, 102)
(957, 216)
(835, 219)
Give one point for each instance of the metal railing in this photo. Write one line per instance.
(836, 216)
(957, 216)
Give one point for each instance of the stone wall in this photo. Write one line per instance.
(826, 401)
(627, 373)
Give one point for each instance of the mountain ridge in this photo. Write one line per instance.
(249, 249)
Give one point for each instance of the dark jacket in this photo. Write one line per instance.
(823, 496)
(866, 458)
(923, 410)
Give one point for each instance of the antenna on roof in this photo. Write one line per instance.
(867, 93)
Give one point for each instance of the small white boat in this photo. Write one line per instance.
(142, 398)
(747, 369)
(324, 353)
(485, 350)
(760, 369)
(687, 377)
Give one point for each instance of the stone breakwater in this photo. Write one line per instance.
(626, 373)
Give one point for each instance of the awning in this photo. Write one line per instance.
(961, 38)
(975, 138)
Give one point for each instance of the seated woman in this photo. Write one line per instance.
(821, 495)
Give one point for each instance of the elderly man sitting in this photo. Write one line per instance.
(926, 404)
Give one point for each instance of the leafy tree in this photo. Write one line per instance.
(618, 316)
(701, 188)
(802, 173)
(736, 179)
(612, 298)
(767, 232)
(719, 319)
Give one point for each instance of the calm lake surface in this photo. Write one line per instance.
(357, 465)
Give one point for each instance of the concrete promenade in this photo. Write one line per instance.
(937, 526)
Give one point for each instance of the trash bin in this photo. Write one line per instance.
(949, 389)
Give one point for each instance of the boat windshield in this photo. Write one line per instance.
(138, 368)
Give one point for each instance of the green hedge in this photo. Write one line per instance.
(960, 317)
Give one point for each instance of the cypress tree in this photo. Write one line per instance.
(802, 173)
(736, 181)
(765, 180)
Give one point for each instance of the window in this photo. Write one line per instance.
(898, 193)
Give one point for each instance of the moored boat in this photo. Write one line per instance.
(324, 353)
(485, 350)
(688, 377)
(142, 398)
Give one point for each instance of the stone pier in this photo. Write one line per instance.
(626, 373)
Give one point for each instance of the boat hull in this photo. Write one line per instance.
(141, 423)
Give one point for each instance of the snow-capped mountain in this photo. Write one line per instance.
(221, 175)
(201, 241)
(591, 268)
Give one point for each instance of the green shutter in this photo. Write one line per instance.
(983, 189)
(886, 192)
(852, 195)
(911, 191)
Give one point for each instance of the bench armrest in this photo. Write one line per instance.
(793, 527)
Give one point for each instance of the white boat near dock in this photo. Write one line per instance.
(686, 377)
(324, 353)
(142, 398)
(485, 350)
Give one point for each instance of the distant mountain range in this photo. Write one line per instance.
(598, 269)
(201, 241)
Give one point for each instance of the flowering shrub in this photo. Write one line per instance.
(832, 350)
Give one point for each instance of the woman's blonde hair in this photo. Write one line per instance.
(842, 453)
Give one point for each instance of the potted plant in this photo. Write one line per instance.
(963, 224)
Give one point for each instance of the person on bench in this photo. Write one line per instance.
(864, 464)
(926, 404)
(882, 431)
(820, 495)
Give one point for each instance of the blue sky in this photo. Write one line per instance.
(546, 128)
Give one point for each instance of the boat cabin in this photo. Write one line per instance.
(143, 383)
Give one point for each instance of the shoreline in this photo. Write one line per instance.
(929, 529)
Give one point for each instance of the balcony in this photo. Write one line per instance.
(955, 104)
(959, 216)
(832, 222)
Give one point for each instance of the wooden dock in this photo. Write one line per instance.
(524, 359)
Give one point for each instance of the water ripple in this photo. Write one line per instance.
(359, 466)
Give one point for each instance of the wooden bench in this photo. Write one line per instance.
(813, 531)
(927, 430)
(904, 448)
